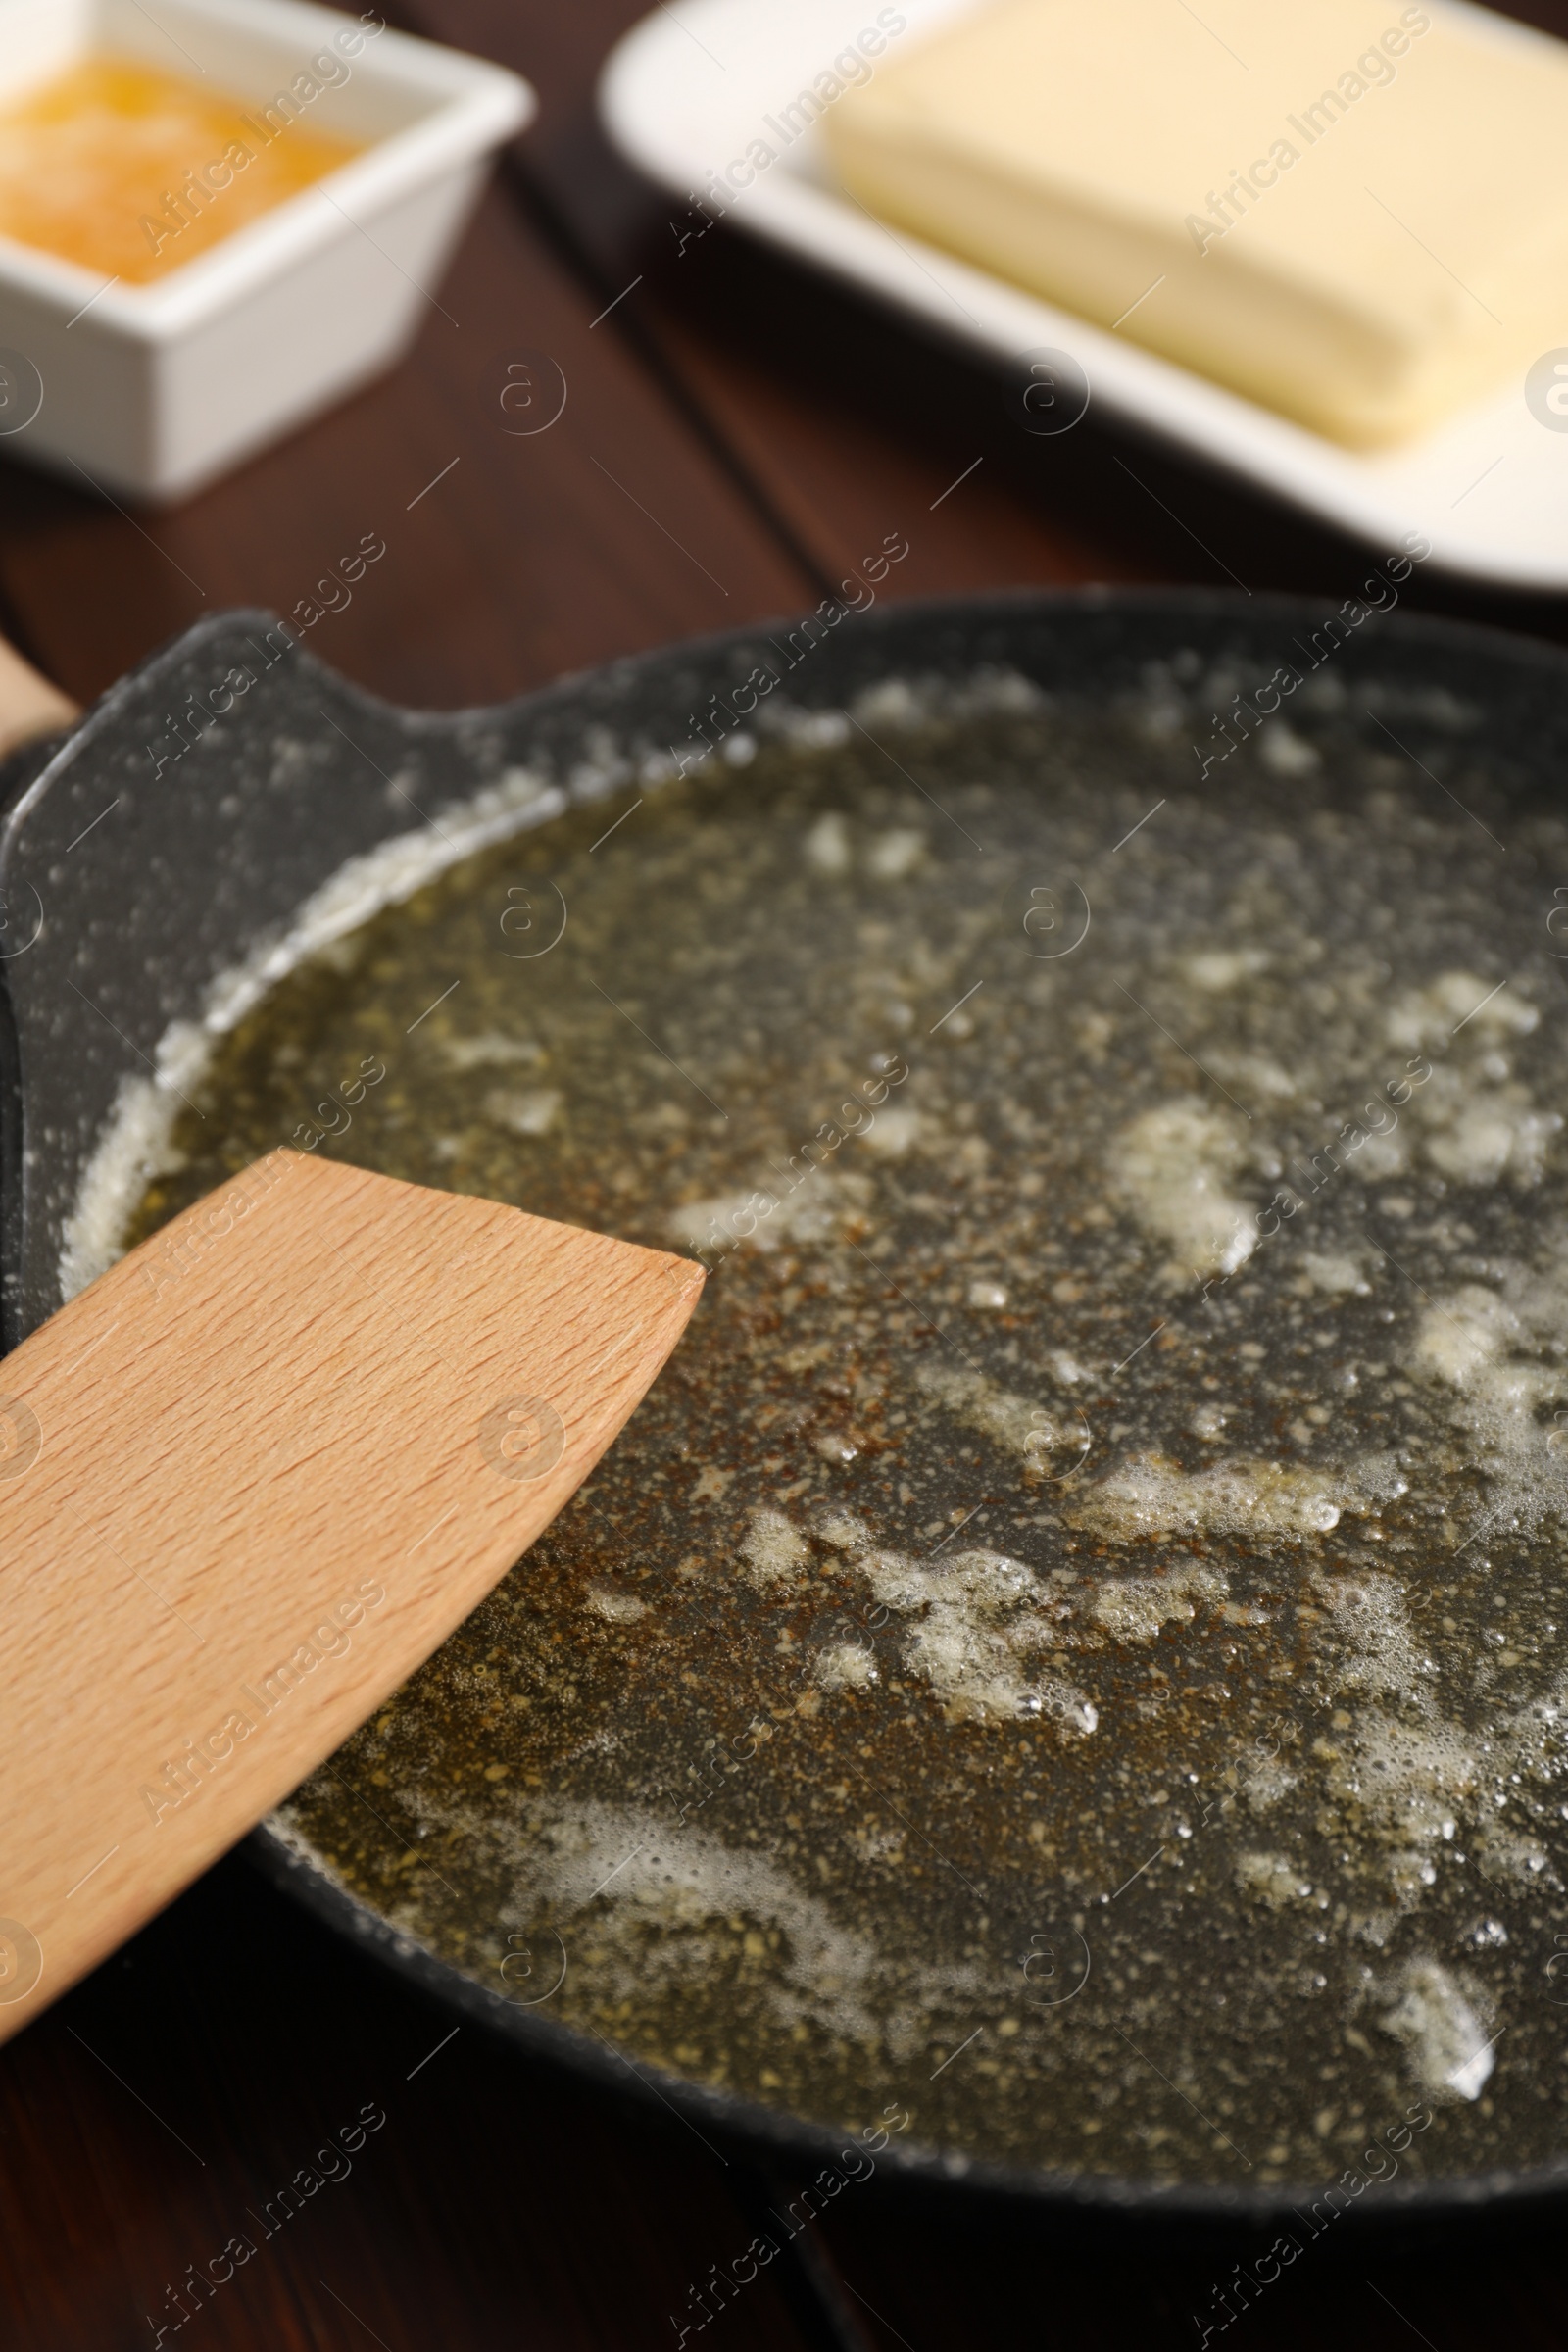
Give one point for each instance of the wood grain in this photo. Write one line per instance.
(248, 1480)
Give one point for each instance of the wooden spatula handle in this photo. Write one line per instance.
(29, 704)
(248, 1480)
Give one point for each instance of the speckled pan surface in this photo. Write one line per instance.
(1065, 1669)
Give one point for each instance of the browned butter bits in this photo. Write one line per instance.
(1072, 1645)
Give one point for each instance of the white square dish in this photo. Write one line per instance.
(156, 389)
(720, 109)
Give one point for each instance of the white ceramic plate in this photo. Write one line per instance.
(155, 390)
(688, 89)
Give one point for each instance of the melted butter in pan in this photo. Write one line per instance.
(1071, 1643)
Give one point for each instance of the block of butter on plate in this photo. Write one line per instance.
(1352, 211)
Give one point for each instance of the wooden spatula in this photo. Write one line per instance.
(248, 1480)
(29, 704)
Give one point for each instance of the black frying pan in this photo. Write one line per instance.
(180, 827)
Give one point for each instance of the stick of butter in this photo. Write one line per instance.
(1354, 211)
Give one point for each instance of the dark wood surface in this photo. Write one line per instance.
(735, 433)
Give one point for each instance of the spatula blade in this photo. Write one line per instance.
(248, 1481)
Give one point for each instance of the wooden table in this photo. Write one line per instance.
(736, 434)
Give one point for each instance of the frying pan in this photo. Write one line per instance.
(180, 827)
